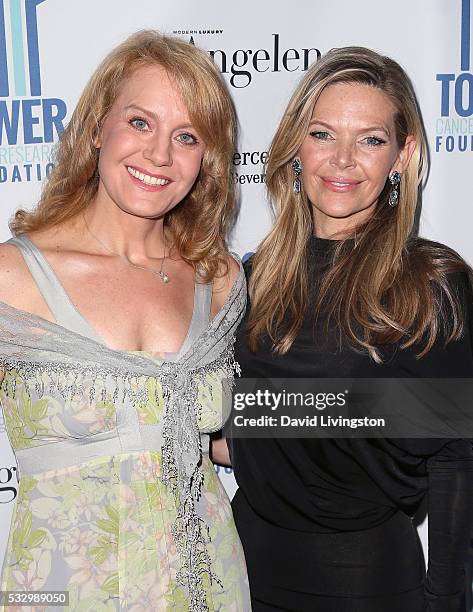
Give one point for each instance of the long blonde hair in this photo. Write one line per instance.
(386, 289)
(198, 226)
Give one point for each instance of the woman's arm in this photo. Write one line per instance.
(450, 473)
(219, 452)
(450, 525)
(218, 446)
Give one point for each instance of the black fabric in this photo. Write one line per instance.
(325, 523)
(292, 569)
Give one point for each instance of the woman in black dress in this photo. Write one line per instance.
(342, 287)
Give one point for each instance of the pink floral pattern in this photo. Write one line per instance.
(101, 529)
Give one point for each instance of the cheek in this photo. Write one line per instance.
(116, 143)
(305, 154)
(190, 167)
(112, 156)
(379, 174)
(387, 160)
(311, 157)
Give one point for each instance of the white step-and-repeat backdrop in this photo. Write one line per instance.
(49, 48)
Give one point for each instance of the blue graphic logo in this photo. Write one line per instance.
(455, 124)
(18, 52)
(29, 124)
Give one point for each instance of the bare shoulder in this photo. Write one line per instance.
(13, 272)
(223, 284)
(17, 287)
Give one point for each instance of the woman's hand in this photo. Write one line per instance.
(219, 452)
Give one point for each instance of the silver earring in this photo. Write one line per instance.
(394, 179)
(297, 169)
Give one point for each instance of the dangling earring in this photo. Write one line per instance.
(297, 169)
(394, 179)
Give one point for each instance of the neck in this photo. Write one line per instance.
(135, 238)
(328, 233)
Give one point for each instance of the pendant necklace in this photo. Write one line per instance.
(162, 275)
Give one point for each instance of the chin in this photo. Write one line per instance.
(339, 212)
(145, 212)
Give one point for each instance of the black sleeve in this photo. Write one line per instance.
(450, 510)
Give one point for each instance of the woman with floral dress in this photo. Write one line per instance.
(119, 302)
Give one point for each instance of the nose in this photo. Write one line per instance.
(343, 154)
(158, 150)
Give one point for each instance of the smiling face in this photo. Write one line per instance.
(347, 155)
(150, 153)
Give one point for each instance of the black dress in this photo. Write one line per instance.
(326, 524)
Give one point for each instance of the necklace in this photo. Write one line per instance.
(162, 275)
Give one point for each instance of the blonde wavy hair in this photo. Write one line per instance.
(389, 287)
(197, 226)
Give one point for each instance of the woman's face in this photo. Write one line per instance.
(347, 155)
(150, 153)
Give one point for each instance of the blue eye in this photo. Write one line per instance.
(139, 124)
(187, 139)
(373, 141)
(320, 135)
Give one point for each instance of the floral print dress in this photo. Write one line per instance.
(94, 516)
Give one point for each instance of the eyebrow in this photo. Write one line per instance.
(142, 110)
(153, 115)
(372, 128)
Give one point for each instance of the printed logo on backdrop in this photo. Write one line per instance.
(454, 128)
(8, 484)
(8, 475)
(242, 66)
(248, 167)
(222, 469)
(29, 123)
